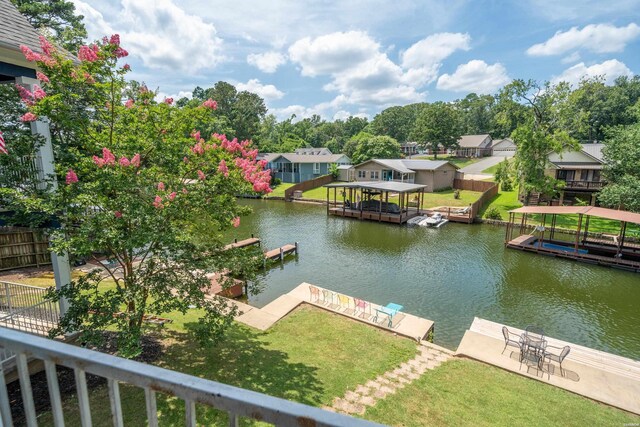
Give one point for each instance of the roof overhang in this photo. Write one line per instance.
(396, 187)
(612, 214)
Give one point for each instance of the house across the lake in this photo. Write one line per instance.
(503, 147)
(409, 148)
(303, 165)
(435, 174)
(474, 146)
(581, 172)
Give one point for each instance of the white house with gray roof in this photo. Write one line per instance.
(474, 145)
(580, 170)
(435, 174)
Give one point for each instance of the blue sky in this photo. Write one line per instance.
(356, 57)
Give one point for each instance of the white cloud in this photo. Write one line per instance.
(611, 69)
(600, 38)
(344, 115)
(332, 53)
(267, 62)
(475, 76)
(268, 92)
(574, 57)
(158, 32)
(433, 49)
(161, 96)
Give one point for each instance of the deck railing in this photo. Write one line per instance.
(152, 379)
(25, 308)
(584, 185)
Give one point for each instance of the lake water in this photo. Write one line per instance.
(448, 275)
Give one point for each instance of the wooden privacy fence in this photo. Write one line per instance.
(485, 198)
(307, 185)
(472, 185)
(23, 247)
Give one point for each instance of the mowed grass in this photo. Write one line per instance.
(310, 356)
(458, 161)
(439, 198)
(278, 191)
(463, 392)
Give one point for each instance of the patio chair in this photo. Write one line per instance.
(361, 305)
(558, 357)
(513, 340)
(314, 292)
(344, 304)
(327, 297)
(534, 331)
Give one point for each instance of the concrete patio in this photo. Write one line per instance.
(600, 376)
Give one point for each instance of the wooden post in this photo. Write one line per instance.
(327, 200)
(296, 243)
(623, 231)
(578, 233)
(281, 254)
(544, 221)
(586, 230)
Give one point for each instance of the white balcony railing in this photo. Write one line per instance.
(25, 308)
(236, 401)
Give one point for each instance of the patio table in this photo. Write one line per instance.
(389, 310)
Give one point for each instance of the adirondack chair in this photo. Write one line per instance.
(361, 305)
(314, 293)
(344, 304)
(328, 298)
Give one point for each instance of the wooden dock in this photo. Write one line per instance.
(243, 243)
(281, 252)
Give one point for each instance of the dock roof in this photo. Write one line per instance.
(612, 214)
(396, 187)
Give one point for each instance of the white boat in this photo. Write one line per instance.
(434, 220)
(416, 220)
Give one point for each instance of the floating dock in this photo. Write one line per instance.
(243, 243)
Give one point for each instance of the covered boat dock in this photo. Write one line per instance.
(370, 200)
(534, 229)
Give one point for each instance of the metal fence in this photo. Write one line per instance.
(238, 402)
(25, 308)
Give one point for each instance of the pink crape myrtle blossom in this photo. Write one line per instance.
(115, 40)
(26, 95)
(157, 202)
(117, 214)
(161, 186)
(28, 117)
(126, 67)
(184, 191)
(88, 53)
(195, 134)
(124, 162)
(30, 55)
(210, 103)
(108, 156)
(42, 77)
(201, 175)
(135, 160)
(168, 101)
(198, 148)
(46, 46)
(121, 53)
(71, 177)
(223, 169)
(129, 103)
(236, 222)
(38, 93)
(173, 195)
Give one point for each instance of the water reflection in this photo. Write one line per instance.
(449, 275)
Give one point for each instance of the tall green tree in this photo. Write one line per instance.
(542, 131)
(438, 127)
(396, 122)
(622, 167)
(376, 147)
(477, 114)
(137, 182)
(58, 17)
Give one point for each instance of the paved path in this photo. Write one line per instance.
(600, 376)
(477, 167)
(430, 356)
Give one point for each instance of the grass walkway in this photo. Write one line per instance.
(464, 392)
(279, 190)
(310, 356)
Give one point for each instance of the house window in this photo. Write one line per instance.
(596, 176)
(375, 175)
(316, 168)
(296, 168)
(362, 174)
(584, 175)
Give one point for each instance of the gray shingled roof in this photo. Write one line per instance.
(309, 158)
(410, 166)
(594, 150)
(471, 141)
(15, 30)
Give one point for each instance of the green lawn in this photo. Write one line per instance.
(310, 356)
(439, 198)
(463, 392)
(279, 190)
(504, 201)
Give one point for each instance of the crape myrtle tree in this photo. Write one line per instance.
(139, 183)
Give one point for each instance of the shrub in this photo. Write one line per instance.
(456, 194)
(493, 213)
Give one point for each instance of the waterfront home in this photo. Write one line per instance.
(435, 174)
(322, 151)
(291, 167)
(581, 172)
(474, 146)
(503, 147)
(409, 148)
